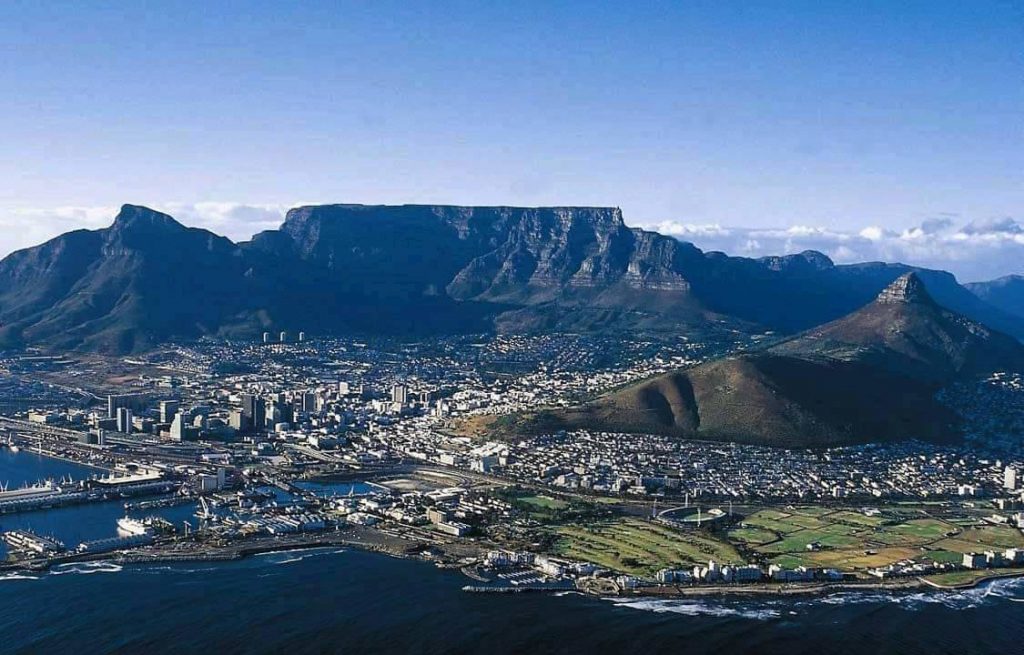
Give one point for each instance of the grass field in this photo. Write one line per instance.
(543, 502)
(844, 538)
(640, 547)
(851, 540)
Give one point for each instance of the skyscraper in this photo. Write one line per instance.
(400, 394)
(168, 408)
(254, 413)
(124, 420)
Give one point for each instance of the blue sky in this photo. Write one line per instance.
(745, 118)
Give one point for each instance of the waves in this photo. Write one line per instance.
(699, 608)
(298, 554)
(17, 576)
(996, 591)
(86, 568)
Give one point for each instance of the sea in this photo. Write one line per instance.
(338, 600)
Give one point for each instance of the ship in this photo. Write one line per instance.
(129, 527)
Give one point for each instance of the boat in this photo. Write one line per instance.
(130, 527)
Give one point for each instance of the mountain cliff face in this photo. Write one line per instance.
(869, 376)
(416, 269)
(143, 279)
(1005, 293)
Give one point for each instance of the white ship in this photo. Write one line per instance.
(129, 527)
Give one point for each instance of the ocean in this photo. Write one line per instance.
(347, 601)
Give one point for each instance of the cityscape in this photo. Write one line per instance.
(511, 328)
(303, 442)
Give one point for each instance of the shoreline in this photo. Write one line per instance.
(374, 541)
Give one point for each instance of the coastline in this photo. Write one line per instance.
(375, 541)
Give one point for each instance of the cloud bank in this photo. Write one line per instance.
(974, 251)
(25, 227)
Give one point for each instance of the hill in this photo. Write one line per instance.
(870, 376)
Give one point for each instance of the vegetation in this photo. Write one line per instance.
(640, 546)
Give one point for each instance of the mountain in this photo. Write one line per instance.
(421, 269)
(144, 279)
(869, 376)
(1005, 293)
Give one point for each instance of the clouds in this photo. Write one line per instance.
(972, 249)
(976, 250)
(22, 227)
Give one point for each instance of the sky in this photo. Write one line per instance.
(868, 130)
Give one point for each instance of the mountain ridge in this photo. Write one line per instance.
(418, 269)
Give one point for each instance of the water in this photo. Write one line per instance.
(21, 468)
(340, 600)
(72, 524)
(333, 600)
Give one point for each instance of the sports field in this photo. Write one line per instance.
(641, 547)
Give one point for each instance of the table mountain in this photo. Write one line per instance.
(420, 269)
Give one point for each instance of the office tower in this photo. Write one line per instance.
(168, 408)
(124, 420)
(254, 413)
(1010, 478)
(400, 394)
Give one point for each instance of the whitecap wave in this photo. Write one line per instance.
(17, 576)
(690, 607)
(86, 568)
(290, 556)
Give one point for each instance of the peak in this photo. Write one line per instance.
(907, 288)
(137, 216)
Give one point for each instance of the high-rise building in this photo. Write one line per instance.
(254, 413)
(178, 427)
(124, 420)
(168, 408)
(400, 394)
(1010, 478)
(284, 336)
(266, 337)
(133, 401)
(302, 336)
(309, 402)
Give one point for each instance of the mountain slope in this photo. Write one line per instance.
(870, 376)
(1005, 293)
(142, 280)
(419, 269)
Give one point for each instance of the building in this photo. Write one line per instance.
(254, 414)
(284, 337)
(168, 408)
(124, 420)
(400, 394)
(975, 560)
(1010, 478)
(133, 401)
(266, 337)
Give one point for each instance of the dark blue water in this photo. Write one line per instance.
(18, 469)
(75, 523)
(347, 601)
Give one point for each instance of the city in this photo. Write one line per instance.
(299, 442)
